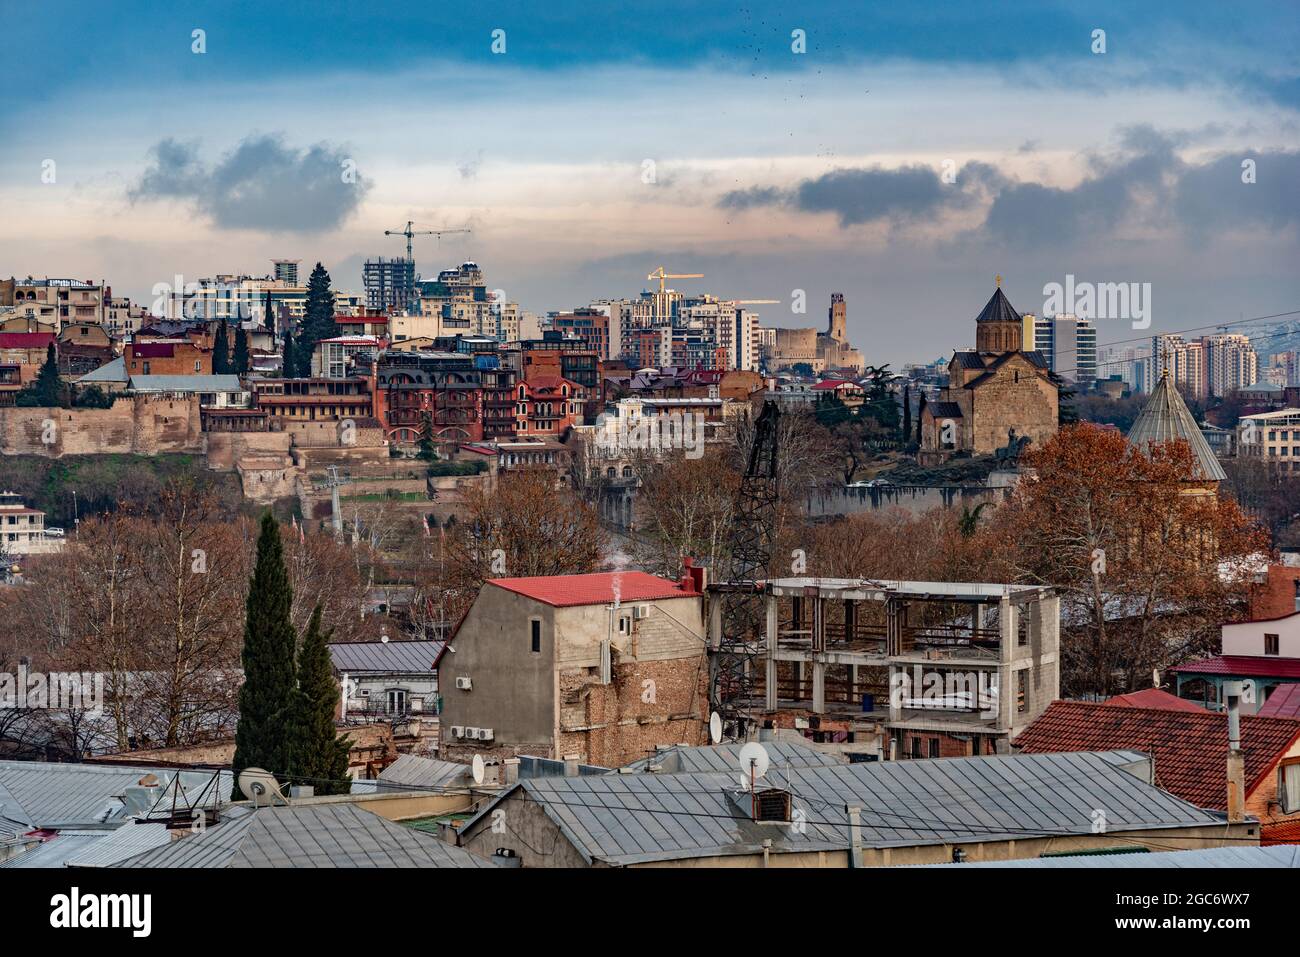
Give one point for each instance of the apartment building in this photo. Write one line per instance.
(1069, 344)
(71, 300)
(22, 529)
(1273, 437)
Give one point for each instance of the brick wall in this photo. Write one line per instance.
(139, 424)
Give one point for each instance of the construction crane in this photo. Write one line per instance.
(753, 524)
(408, 232)
(750, 302)
(662, 276)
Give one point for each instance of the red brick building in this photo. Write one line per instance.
(547, 405)
(168, 357)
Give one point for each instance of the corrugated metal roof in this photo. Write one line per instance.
(320, 835)
(725, 758)
(59, 796)
(185, 383)
(56, 851)
(636, 818)
(1285, 855)
(601, 588)
(114, 371)
(391, 657)
(128, 840)
(411, 770)
(1166, 418)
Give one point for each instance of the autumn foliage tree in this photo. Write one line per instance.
(1148, 558)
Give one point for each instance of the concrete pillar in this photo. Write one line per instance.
(819, 686)
(772, 645)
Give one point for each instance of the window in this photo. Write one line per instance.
(1022, 686)
(1270, 644)
(934, 747)
(1288, 785)
(624, 624)
(916, 747)
(536, 627)
(397, 701)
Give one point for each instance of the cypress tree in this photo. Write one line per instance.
(289, 365)
(318, 320)
(221, 350)
(318, 755)
(920, 408)
(269, 317)
(48, 385)
(907, 412)
(266, 697)
(241, 351)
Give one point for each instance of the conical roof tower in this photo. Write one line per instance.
(1166, 418)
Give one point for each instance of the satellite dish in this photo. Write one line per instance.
(753, 761)
(258, 786)
(477, 769)
(715, 727)
(384, 638)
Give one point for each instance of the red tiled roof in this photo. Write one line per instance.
(564, 591)
(1191, 749)
(1284, 702)
(1154, 698)
(25, 340)
(1283, 832)
(1251, 666)
(835, 384)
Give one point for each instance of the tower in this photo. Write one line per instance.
(998, 327)
(837, 328)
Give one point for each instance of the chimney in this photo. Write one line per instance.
(570, 765)
(1236, 757)
(694, 577)
(512, 771)
(855, 835)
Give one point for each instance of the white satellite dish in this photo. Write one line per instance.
(754, 761)
(715, 727)
(477, 769)
(260, 787)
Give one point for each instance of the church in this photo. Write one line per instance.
(996, 394)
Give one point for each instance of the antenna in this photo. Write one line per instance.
(257, 785)
(476, 769)
(754, 762)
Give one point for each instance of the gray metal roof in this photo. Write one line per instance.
(637, 818)
(128, 840)
(307, 835)
(411, 770)
(185, 383)
(60, 796)
(725, 757)
(384, 657)
(1165, 418)
(55, 851)
(114, 371)
(1281, 855)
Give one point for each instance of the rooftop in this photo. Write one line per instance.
(602, 588)
(1190, 748)
(1248, 666)
(1154, 698)
(1166, 418)
(384, 657)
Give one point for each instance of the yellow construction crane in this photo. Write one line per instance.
(661, 275)
(408, 233)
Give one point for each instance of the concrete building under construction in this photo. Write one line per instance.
(926, 669)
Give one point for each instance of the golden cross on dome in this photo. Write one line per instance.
(998, 280)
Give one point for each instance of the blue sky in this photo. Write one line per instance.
(772, 171)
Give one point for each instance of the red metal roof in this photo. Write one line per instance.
(153, 350)
(563, 591)
(1284, 702)
(1190, 748)
(1154, 698)
(1250, 666)
(25, 340)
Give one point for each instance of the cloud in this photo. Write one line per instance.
(261, 184)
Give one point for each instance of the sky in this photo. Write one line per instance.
(900, 153)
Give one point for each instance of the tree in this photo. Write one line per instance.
(289, 361)
(93, 397)
(426, 436)
(268, 317)
(48, 387)
(318, 755)
(527, 525)
(240, 366)
(265, 700)
(221, 350)
(318, 319)
(907, 412)
(1148, 560)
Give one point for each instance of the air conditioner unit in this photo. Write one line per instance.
(641, 611)
(485, 734)
(464, 683)
(457, 731)
(471, 733)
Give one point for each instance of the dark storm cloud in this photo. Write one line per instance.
(873, 194)
(1143, 182)
(262, 184)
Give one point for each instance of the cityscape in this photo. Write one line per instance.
(876, 453)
